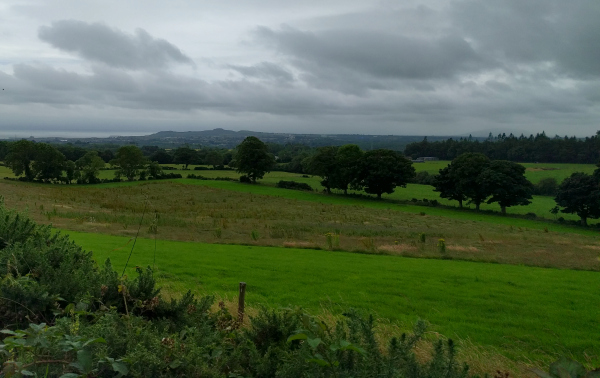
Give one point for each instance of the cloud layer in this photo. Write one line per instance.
(425, 68)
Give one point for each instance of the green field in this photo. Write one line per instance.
(525, 312)
(204, 243)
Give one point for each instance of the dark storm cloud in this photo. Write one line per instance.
(100, 43)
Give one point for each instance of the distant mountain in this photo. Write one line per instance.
(229, 139)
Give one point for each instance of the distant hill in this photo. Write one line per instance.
(229, 139)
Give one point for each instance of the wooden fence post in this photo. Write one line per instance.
(241, 299)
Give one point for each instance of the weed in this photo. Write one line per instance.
(422, 237)
(441, 245)
(254, 235)
(218, 232)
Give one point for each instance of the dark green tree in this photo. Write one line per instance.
(214, 158)
(382, 170)
(466, 169)
(49, 163)
(129, 162)
(348, 158)
(253, 159)
(70, 170)
(506, 182)
(162, 157)
(89, 166)
(323, 164)
(184, 155)
(20, 157)
(448, 186)
(579, 194)
(154, 169)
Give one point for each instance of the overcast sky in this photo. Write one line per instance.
(113, 67)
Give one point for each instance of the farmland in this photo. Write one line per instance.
(524, 288)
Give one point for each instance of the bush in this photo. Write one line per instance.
(293, 185)
(546, 187)
(245, 179)
(423, 178)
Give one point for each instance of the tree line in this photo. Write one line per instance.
(538, 148)
(473, 177)
(347, 167)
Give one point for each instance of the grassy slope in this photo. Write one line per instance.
(522, 310)
(342, 200)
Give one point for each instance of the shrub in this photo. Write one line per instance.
(293, 185)
(546, 187)
(245, 179)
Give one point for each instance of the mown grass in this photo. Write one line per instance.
(529, 313)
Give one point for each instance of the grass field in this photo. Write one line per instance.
(230, 212)
(525, 312)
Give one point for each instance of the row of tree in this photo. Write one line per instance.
(538, 148)
(377, 171)
(182, 155)
(475, 178)
(44, 162)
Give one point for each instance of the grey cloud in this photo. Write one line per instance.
(377, 53)
(266, 71)
(100, 43)
(563, 33)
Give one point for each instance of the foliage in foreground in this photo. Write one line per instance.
(64, 316)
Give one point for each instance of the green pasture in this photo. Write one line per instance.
(525, 312)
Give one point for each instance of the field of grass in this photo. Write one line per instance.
(525, 312)
(230, 212)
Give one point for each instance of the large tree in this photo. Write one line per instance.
(466, 170)
(506, 182)
(447, 185)
(348, 158)
(382, 170)
(579, 194)
(129, 161)
(49, 163)
(89, 166)
(323, 164)
(185, 155)
(20, 157)
(253, 159)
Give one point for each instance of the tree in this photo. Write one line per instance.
(323, 164)
(348, 159)
(466, 170)
(506, 182)
(579, 194)
(447, 184)
(214, 158)
(162, 157)
(154, 169)
(70, 170)
(253, 159)
(89, 166)
(49, 163)
(184, 155)
(20, 157)
(129, 161)
(383, 170)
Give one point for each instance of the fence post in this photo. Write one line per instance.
(241, 299)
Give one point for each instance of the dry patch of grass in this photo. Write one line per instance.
(397, 248)
(462, 248)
